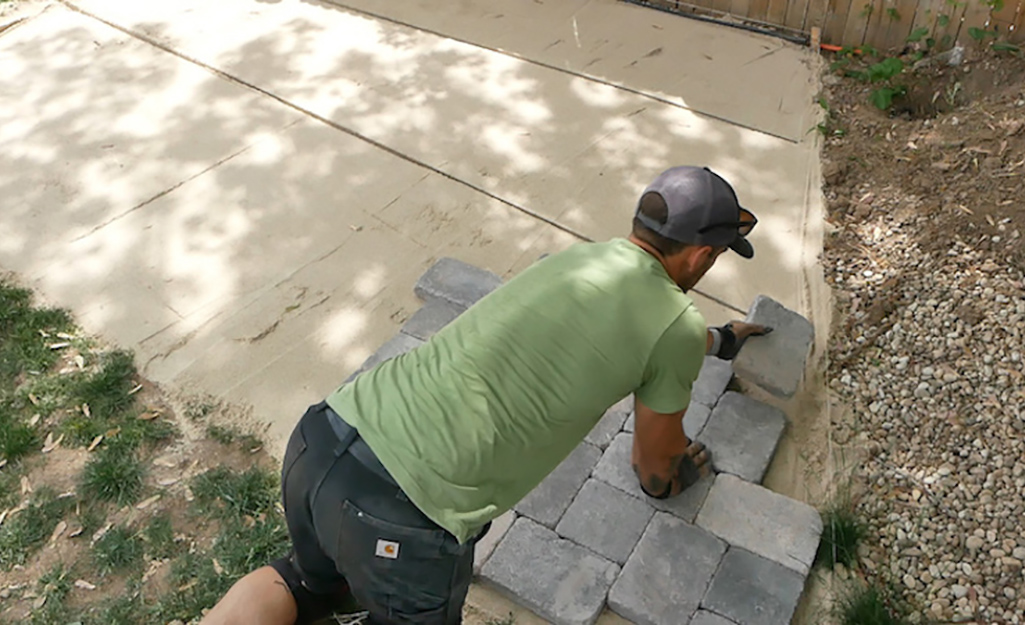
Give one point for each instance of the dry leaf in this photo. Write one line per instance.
(34, 420)
(168, 482)
(86, 411)
(112, 432)
(38, 603)
(3, 516)
(148, 416)
(84, 585)
(3, 462)
(138, 387)
(57, 531)
(60, 345)
(165, 462)
(188, 494)
(142, 505)
(248, 521)
(217, 567)
(65, 336)
(100, 533)
(188, 586)
(51, 444)
(26, 486)
(80, 362)
(256, 449)
(75, 533)
(96, 442)
(32, 398)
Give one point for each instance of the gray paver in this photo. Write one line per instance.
(557, 579)
(546, 503)
(775, 362)
(432, 316)
(615, 469)
(694, 420)
(667, 574)
(456, 282)
(743, 434)
(486, 546)
(611, 423)
(752, 590)
(605, 520)
(715, 375)
(747, 515)
(704, 617)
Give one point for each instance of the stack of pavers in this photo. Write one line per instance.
(725, 552)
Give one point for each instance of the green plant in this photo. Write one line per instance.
(893, 14)
(117, 550)
(842, 532)
(1003, 46)
(236, 494)
(26, 333)
(228, 436)
(54, 586)
(114, 474)
(17, 438)
(871, 603)
(978, 34)
(25, 531)
(507, 620)
(159, 536)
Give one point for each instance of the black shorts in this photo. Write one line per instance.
(350, 523)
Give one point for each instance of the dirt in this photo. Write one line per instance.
(953, 151)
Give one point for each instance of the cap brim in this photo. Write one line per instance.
(743, 247)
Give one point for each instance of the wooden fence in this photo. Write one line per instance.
(884, 24)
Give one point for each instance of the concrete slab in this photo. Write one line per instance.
(611, 423)
(634, 47)
(570, 148)
(694, 420)
(455, 282)
(433, 316)
(557, 579)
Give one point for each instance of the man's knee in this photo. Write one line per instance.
(310, 606)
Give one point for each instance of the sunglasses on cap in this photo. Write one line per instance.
(744, 225)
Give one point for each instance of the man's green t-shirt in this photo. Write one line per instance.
(475, 418)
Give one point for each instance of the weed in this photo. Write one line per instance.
(228, 436)
(159, 537)
(24, 333)
(842, 532)
(17, 438)
(126, 608)
(871, 604)
(113, 474)
(237, 494)
(54, 586)
(119, 549)
(24, 532)
(509, 619)
(199, 408)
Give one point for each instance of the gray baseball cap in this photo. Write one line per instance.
(702, 210)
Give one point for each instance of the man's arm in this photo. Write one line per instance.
(664, 459)
(726, 341)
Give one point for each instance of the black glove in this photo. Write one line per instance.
(730, 344)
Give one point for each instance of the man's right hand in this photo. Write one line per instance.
(665, 460)
(734, 334)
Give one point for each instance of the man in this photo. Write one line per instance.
(389, 483)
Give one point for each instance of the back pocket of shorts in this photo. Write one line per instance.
(404, 570)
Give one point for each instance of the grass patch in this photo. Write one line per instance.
(871, 604)
(231, 493)
(114, 474)
(17, 438)
(54, 585)
(159, 537)
(120, 549)
(842, 532)
(24, 532)
(25, 333)
(230, 436)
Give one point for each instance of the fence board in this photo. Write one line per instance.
(836, 20)
(815, 15)
(723, 6)
(976, 15)
(758, 10)
(740, 8)
(899, 29)
(857, 22)
(777, 12)
(795, 14)
(878, 21)
(946, 35)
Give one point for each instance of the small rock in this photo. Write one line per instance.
(974, 543)
(959, 591)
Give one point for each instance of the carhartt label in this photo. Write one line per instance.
(387, 549)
